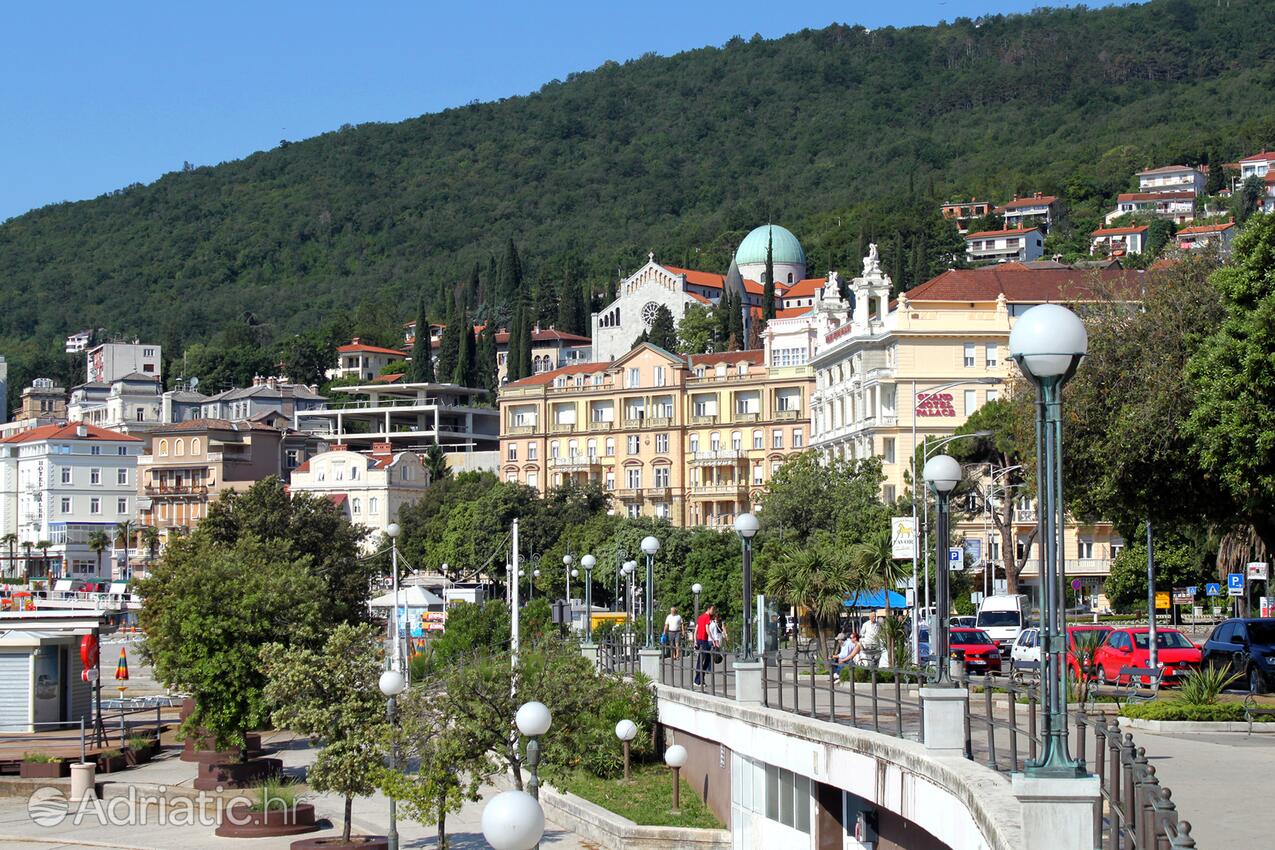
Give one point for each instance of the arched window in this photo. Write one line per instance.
(356, 506)
(790, 277)
(194, 446)
(179, 448)
(736, 440)
(372, 504)
(714, 441)
(163, 448)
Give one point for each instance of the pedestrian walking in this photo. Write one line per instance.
(673, 632)
(703, 646)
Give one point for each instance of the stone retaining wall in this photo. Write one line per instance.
(604, 827)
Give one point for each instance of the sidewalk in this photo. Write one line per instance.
(19, 832)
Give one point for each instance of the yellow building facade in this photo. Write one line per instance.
(691, 439)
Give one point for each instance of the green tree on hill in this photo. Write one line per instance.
(422, 368)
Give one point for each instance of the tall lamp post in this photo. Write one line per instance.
(588, 562)
(650, 545)
(942, 473)
(620, 560)
(567, 561)
(696, 589)
(746, 526)
(513, 820)
(627, 572)
(392, 684)
(393, 530)
(1048, 342)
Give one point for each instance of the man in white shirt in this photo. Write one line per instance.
(673, 630)
(870, 640)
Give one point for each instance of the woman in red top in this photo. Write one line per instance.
(703, 647)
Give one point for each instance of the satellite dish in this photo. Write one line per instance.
(194, 382)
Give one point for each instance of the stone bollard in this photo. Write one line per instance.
(749, 686)
(591, 652)
(649, 663)
(1058, 813)
(943, 718)
(83, 781)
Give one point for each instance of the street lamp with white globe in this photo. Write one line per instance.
(392, 684)
(746, 526)
(941, 473)
(675, 757)
(650, 545)
(513, 820)
(627, 571)
(626, 731)
(588, 562)
(1048, 342)
(696, 590)
(533, 720)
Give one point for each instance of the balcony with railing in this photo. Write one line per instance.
(520, 430)
(718, 457)
(746, 416)
(562, 428)
(720, 489)
(1087, 566)
(789, 415)
(176, 489)
(1024, 514)
(601, 426)
(576, 463)
(704, 419)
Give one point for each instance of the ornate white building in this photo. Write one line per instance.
(655, 285)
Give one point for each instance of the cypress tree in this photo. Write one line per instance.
(737, 338)
(511, 277)
(485, 358)
(422, 368)
(449, 345)
(1216, 180)
(721, 313)
(465, 358)
(473, 291)
(768, 285)
(571, 316)
(513, 346)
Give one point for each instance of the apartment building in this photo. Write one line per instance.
(690, 439)
(1036, 211)
(129, 403)
(1172, 178)
(1004, 246)
(60, 483)
(1178, 207)
(369, 487)
(965, 212)
(362, 361)
(1118, 241)
(885, 383)
(111, 361)
(1208, 236)
(187, 465)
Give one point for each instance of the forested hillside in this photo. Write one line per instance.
(841, 134)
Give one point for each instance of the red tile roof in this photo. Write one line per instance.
(549, 335)
(755, 356)
(548, 377)
(715, 281)
(983, 234)
(1024, 286)
(1206, 228)
(699, 297)
(1155, 196)
(69, 431)
(1168, 169)
(387, 379)
(805, 288)
(1030, 202)
(791, 312)
(367, 349)
(1120, 231)
(1264, 156)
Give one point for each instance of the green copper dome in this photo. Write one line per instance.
(786, 247)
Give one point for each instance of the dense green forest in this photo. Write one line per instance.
(842, 134)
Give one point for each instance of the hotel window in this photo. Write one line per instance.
(610, 447)
(553, 450)
(591, 448)
(969, 355)
(662, 510)
(95, 506)
(340, 473)
(991, 356)
(354, 473)
(992, 395)
(635, 511)
(121, 506)
(758, 473)
(661, 443)
(95, 476)
(195, 446)
(971, 401)
(179, 448)
(776, 439)
(661, 476)
(887, 494)
(141, 414)
(1084, 549)
(634, 377)
(714, 441)
(758, 440)
(122, 451)
(373, 504)
(610, 481)
(511, 477)
(95, 450)
(66, 475)
(513, 451)
(531, 451)
(633, 477)
(659, 376)
(632, 444)
(736, 440)
(694, 443)
(887, 449)
(533, 479)
(1117, 546)
(66, 504)
(356, 506)
(797, 440)
(121, 476)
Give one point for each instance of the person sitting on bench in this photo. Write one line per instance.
(850, 648)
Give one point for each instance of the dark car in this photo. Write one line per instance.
(1246, 647)
(981, 652)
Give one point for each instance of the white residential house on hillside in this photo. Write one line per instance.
(1118, 241)
(1172, 178)
(1206, 236)
(110, 361)
(129, 403)
(1037, 211)
(1178, 207)
(370, 488)
(1004, 246)
(59, 484)
(362, 361)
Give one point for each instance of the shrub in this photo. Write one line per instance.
(1202, 686)
(40, 758)
(110, 754)
(601, 752)
(276, 794)
(1173, 709)
(140, 742)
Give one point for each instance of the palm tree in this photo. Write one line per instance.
(99, 542)
(150, 539)
(43, 546)
(816, 579)
(874, 559)
(124, 531)
(26, 544)
(10, 540)
(435, 461)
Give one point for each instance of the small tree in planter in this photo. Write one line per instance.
(333, 696)
(208, 610)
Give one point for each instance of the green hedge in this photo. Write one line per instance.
(1221, 712)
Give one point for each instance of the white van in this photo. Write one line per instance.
(1003, 617)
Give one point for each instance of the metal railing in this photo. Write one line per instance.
(1137, 812)
(618, 653)
(117, 727)
(706, 669)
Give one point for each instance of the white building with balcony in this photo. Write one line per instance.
(1118, 241)
(1178, 207)
(130, 403)
(369, 487)
(59, 484)
(1004, 246)
(1172, 178)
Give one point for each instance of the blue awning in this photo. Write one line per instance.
(876, 599)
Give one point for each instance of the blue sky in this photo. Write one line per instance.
(96, 96)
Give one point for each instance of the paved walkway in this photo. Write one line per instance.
(18, 831)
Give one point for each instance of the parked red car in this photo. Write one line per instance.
(1129, 648)
(982, 655)
(1086, 634)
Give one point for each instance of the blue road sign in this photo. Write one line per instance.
(955, 555)
(1235, 584)
(1213, 588)
(1192, 589)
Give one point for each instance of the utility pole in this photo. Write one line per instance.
(1151, 640)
